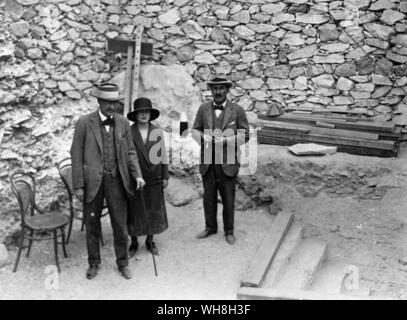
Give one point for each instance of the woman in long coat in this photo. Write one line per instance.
(149, 142)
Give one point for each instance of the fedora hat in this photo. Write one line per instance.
(141, 104)
(107, 91)
(219, 80)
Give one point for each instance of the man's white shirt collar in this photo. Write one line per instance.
(103, 118)
(217, 111)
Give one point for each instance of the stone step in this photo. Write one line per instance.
(261, 261)
(302, 266)
(329, 279)
(291, 241)
(246, 293)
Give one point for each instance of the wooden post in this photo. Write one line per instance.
(128, 81)
(136, 68)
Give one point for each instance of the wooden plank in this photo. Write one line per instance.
(121, 45)
(284, 126)
(136, 66)
(330, 132)
(246, 293)
(320, 138)
(325, 125)
(127, 85)
(346, 149)
(339, 123)
(261, 261)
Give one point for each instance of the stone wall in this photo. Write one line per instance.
(300, 54)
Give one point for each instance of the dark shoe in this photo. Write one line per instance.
(133, 249)
(230, 238)
(151, 247)
(125, 272)
(204, 234)
(92, 272)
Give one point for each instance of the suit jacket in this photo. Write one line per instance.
(234, 119)
(152, 155)
(87, 155)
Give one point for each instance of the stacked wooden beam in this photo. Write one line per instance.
(348, 134)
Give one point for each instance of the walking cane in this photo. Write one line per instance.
(143, 204)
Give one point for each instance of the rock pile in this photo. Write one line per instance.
(302, 54)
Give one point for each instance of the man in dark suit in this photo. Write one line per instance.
(105, 166)
(220, 127)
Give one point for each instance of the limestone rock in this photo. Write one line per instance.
(400, 39)
(391, 16)
(311, 18)
(328, 32)
(305, 52)
(344, 84)
(20, 29)
(396, 57)
(374, 42)
(357, 4)
(381, 91)
(272, 8)
(293, 39)
(335, 47)
(14, 10)
(244, 33)
(365, 65)
(241, 16)
(325, 80)
(301, 83)
(6, 52)
(382, 4)
(205, 58)
(342, 100)
(381, 80)
(170, 88)
(28, 2)
(332, 58)
(180, 193)
(275, 83)
(281, 72)
(308, 149)
(251, 83)
(379, 31)
(261, 28)
(243, 201)
(282, 17)
(170, 17)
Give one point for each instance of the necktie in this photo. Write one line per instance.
(108, 122)
(218, 107)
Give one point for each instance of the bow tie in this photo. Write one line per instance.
(218, 107)
(108, 122)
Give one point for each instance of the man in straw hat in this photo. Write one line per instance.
(105, 166)
(220, 127)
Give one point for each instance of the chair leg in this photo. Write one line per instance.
(56, 249)
(83, 222)
(30, 244)
(63, 242)
(70, 228)
(19, 249)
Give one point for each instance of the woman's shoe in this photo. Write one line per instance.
(151, 247)
(133, 249)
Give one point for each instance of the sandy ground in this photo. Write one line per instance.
(188, 268)
(370, 234)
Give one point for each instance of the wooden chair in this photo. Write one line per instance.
(65, 172)
(38, 226)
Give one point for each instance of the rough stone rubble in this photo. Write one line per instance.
(300, 54)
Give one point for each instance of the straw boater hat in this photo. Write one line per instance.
(220, 80)
(143, 104)
(107, 91)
